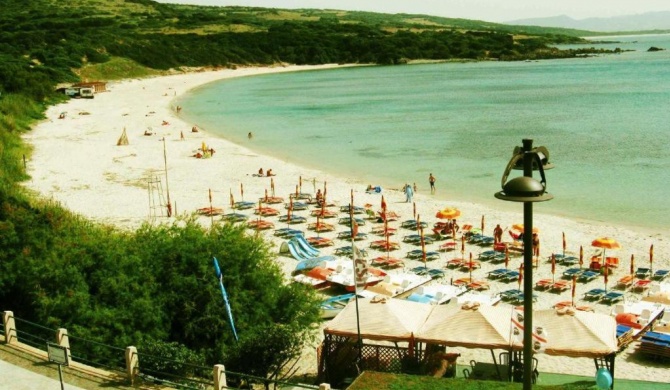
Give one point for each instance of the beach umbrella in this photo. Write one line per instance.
(272, 186)
(605, 275)
(448, 213)
(289, 212)
(351, 205)
(605, 243)
(463, 245)
(232, 200)
(423, 242)
(414, 208)
(470, 266)
(386, 235)
(506, 257)
(300, 185)
(651, 258)
(296, 191)
(574, 288)
(581, 256)
(383, 207)
(519, 227)
(266, 194)
(325, 190)
(242, 191)
(520, 275)
(553, 267)
(211, 208)
(482, 225)
(564, 244)
(632, 265)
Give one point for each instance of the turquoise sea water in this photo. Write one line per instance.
(605, 121)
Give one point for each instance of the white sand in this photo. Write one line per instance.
(76, 162)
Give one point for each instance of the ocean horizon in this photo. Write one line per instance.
(603, 119)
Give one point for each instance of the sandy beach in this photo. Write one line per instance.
(77, 162)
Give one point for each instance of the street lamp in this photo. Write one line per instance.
(527, 190)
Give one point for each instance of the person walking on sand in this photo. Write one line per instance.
(497, 234)
(408, 193)
(431, 180)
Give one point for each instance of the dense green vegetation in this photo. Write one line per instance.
(155, 287)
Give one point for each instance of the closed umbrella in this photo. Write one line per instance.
(242, 191)
(581, 256)
(506, 257)
(564, 244)
(605, 274)
(651, 258)
(272, 186)
(232, 200)
(553, 267)
(574, 288)
(520, 275)
(423, 242)
(482, 225)
(414, 208)
(632, 266)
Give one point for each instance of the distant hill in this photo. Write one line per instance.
(641, 22)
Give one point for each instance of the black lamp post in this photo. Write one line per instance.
(527, 190)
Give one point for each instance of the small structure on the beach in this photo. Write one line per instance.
(98, 86)
(123, 140)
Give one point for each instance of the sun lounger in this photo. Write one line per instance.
(612, 297)
(497, 273)
(356, 210)
(297, 206)
(347, 251)
(271, 199)
(417, 254)
(420, 270)
(412, 224)
(321, 227)
(587, 276)
(320, 242)
(302, 195)
(347, 221)
(266, 211)
(568, 260)
(390, 262)
(384, 245)
(595, 294)
(661, 274)
(243, 205)
(569, 273)
(612, 262)
(625, 281)
(519, 299)
(234, 217)
(509, 295)
(323, 213)
(435, 273)
(642, 284)
(468, 265)
(346, 235)
(479, 285)
(561, 285)
(295, 219)
(643, 273)
(260, 224)
(380, 230)
(462, 282)
(487, 255)
(510, 276)
(544, 284)
(210, 211)
(455, 263)
(447, 246)
(287, 232)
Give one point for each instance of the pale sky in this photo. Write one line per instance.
(488, 10)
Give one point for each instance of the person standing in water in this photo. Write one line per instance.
(250, 136)
(431, 181)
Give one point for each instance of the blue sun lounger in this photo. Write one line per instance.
(510, 276)
(643, 273)
(418, 254)
(569, 273)
(612, 297)
(497, 273)
(587, 276)
(595, 294)
(509, 295)
(661, 274)
(294, 219)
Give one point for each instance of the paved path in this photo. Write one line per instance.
(17, 378)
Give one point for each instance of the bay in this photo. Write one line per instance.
(603, 119)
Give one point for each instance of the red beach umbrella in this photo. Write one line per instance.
(232, 200)
(482, 225)
(266, 194)
(651, 258)
(632, 264)
(470, 266)
(564, 244)
(299, 184)
(383, 207)
(423, 242)
(414, 208)
(581, 256)
(272, 186)
(605, 274)
(574, 288)
(296, 191)
(463, 245)
(520, 275)
(553, 267)
(242, 191)
(506, 257)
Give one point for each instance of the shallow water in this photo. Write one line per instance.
(604, 121)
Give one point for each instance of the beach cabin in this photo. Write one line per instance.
(96, 86)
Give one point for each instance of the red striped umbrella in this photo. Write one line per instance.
(423, 242)
(482, 225)
(581, 256)
(651, 258)
(242, 191)
(574, 288)
(383, 207)
(463, 245)
(414, 208)
(232, 200)
(632, 264)
(605, 274)
(272, 186)
(520, 275)
(266, 194)
(299, 184)
(470, 266)
(506, 257)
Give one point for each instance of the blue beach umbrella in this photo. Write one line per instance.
(225, 296)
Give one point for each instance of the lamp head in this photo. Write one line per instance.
(526, 188)
(542, 154)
